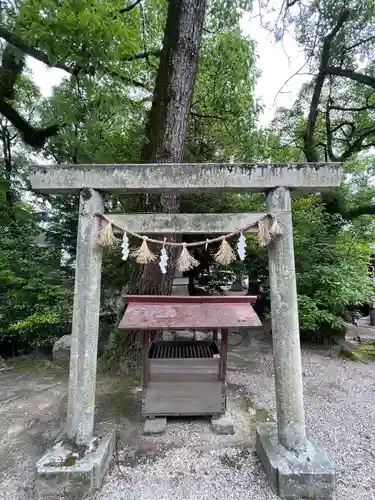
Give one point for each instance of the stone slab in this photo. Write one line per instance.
(61, 348)
(167, 224)
(155, 426)
(310, 474)
(186, 177)
(180, 286)
(222, 425)
(77, 480)
(364, 322)
(367, 339)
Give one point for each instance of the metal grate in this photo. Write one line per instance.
(183, 350)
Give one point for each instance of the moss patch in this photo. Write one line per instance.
(79, 449)
(118, 403)
(117, 400)
(70, 461)
(41, 366)
(31, 366)
(361, 352)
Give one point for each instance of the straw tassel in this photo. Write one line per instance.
(186, 261)
(106, 236)
(264, 236)
(275, 229)
(143, 254)
(225, 255)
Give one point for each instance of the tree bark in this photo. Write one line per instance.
(166, 133)
(7, 159)
(169, 116)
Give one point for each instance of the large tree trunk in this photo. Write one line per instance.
(169, 116)
(167, 130)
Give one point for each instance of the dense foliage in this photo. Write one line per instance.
(36, 295)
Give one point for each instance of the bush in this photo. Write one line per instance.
(35, 295)
(332, 270)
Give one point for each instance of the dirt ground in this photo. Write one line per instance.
(189, 462)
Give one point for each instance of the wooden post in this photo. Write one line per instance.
(146, 348)
(224, 353)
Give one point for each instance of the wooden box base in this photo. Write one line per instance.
(183, 398)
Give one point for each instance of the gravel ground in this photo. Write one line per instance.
(187, 464)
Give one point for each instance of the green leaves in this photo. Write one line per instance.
(35, 296)
(332, 267)
(223, 110)
(224, 13)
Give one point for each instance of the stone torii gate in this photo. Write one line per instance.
(294, 465)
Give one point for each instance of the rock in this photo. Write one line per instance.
(368, 339)
(203, 335)
(222, 425)
(2, 363)
(155, 426)
(168, 335)
(61, 348)
(184, 335)
(237, 286)
(37, 354)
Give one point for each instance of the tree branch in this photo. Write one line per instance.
(31, 136)
(360, 42)
(310, 153)
(29, 50)
(352, 75)
(353, 110)
(342, 124)
(130, 7)
(143, 55)
(351, 148)
(329, 133)
(357, 145)
(214, 117)
(290, 3)
(12, 66)
(72, 70)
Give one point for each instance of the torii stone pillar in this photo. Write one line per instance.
(285, 327)
(84, 476)
(295, 466)
(85, 325)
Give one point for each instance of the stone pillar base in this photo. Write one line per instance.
(60, 475)
(222, 425)
(155, 426)
(310, 474)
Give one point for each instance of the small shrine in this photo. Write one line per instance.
(186, 377)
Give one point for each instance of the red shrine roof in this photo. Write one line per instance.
(151, 312)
